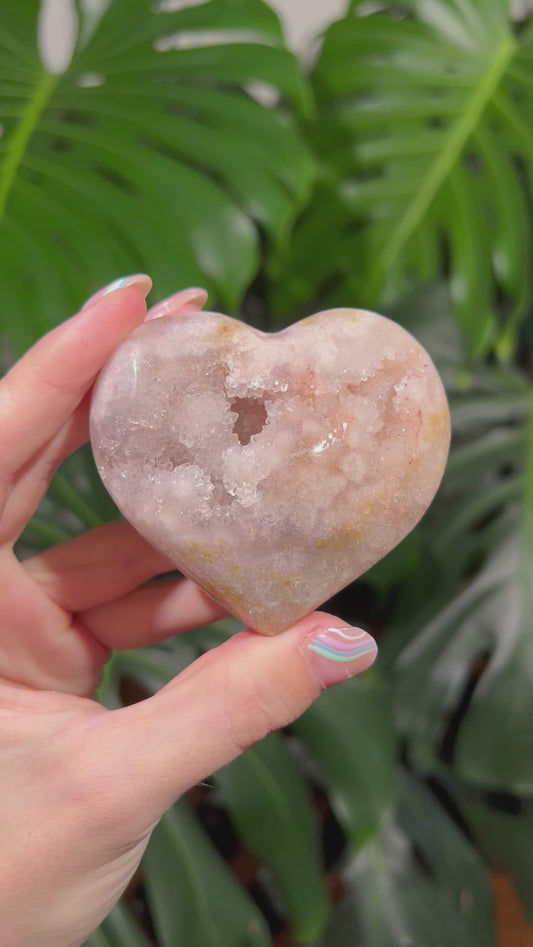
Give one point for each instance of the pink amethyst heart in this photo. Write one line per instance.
(272, 469)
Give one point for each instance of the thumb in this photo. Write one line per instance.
(228, 699)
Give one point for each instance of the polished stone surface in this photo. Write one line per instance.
(273, 469)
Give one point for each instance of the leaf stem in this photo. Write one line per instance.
(108, 675)
(53, 535)
(63, 490)
(447, 158)
(527, 534)
(22, 134)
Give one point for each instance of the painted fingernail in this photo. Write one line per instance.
(339, 653)
(188, 300)
(139, 281)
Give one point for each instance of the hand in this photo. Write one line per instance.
(81, 786)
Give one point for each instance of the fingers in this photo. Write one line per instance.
(42, 390)
(74, 578)
(188, 300)
(32, 481)
(41, 647)
(227, 700)
(151, 614)
(96, 567)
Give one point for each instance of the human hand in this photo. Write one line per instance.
(81, 786)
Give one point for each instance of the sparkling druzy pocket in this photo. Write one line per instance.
(273, 469)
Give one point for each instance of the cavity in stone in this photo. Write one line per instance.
(251, 418)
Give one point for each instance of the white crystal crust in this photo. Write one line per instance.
(272, 469)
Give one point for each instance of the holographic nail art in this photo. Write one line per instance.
(339, 644)
(140, 281)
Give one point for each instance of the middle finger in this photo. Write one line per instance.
(151, 614)
(103, 564)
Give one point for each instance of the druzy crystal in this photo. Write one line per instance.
(273, 469)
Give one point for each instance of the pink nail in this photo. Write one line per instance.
(339, 653)
(188, 300)
(139, 281)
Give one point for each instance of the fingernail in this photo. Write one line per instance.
(339, 653)
(139, 281)
(188, 300)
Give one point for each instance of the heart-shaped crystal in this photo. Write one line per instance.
(272, 469)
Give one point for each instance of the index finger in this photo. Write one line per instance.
(41, 391)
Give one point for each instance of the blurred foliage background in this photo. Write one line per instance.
(395, 173)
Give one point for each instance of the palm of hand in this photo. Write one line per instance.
(59, 615)
(81, 787)
(55, 613)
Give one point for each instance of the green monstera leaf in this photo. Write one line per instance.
(416, 882)
(504, 838)
(427, 148)
(118, 929)
(463, 682)
(194, 899)
(140, 145)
